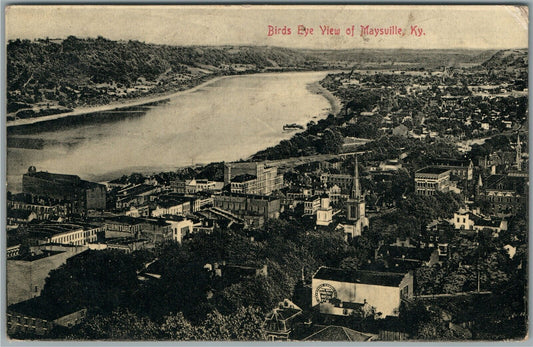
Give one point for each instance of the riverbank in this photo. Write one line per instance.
(115, 105)
(334, 102)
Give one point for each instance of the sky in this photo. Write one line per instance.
(443, 27)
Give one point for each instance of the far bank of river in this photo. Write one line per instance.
(144, 100)
(224, 119)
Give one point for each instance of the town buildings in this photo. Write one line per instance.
(79, 194)
(255, 208)
(265, 182)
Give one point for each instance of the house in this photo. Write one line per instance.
(409, 258)
(279, 322)
(400, 130)
(475, 221)
(135, 195)
(122, 226)
(232, 273)
(390, 165)
(341, 292)
(343, 181)
(126, 245)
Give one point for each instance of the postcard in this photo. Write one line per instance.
(266, 173)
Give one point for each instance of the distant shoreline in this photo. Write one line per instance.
(113, 106)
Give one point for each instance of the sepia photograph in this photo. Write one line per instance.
(334, 173)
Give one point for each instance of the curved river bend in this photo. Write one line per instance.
(227, 119)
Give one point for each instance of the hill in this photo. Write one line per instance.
(55, 74)
(511, 58)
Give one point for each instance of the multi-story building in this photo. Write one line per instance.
(341, 292)
(462, 168)
(79, 194)
(249, 205)
(311, 205)
(503, 193)
(65, 234)
(38, 316)
(244, 184)
(199, 185)
(135, 195)
(152, 229)
(324, 215)
(26, 275)
(267, 178)
(172, 207)
(122, 226)
(343, 181)
(432, 179)
(42, 209)
(180, 227)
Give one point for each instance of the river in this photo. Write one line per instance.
(225, 120)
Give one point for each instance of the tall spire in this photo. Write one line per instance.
(356, 191)
(518, 152)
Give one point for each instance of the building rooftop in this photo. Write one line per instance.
(409, 253)
(40, 307)
(123, 220)
(387, 279)
(432, 170)
(504, 182)
(18, 214)
(452, 162)
(338, 333)
(51, 229)
(252, 196)
(243, 178)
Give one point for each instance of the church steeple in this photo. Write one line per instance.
(518, 153)
(356, 189)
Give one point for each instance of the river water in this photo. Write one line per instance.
(225, 120)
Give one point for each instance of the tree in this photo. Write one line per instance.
(101, 280)
(118, 325)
